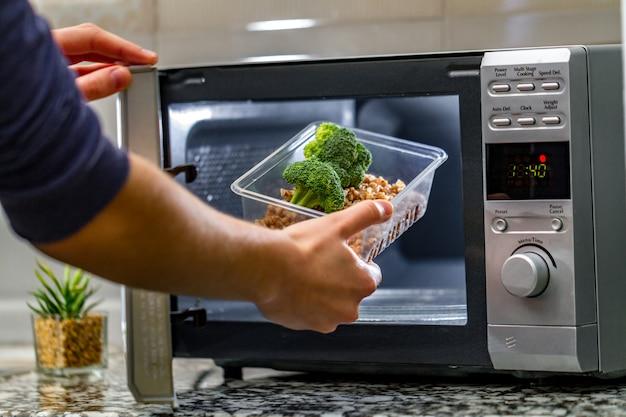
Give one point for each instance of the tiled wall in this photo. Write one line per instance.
(193, 31)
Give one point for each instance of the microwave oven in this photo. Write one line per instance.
(519, 265)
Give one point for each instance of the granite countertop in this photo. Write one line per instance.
(202, 390)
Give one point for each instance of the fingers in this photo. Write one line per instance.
(103, 82)
(75, 59)
(358, 217)
(90, 39)
(81, 69)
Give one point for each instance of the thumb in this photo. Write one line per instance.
(352, 220)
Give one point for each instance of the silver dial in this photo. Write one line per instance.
(525, 274)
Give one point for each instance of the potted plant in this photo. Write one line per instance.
(69, 338)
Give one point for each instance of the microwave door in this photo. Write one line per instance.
(430, 309)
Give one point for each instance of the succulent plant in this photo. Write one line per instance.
(65, 298)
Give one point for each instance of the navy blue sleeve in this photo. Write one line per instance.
(57, 171)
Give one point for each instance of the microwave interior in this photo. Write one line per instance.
(424, 270)
(226, 120)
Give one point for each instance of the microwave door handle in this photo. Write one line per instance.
(190, 171)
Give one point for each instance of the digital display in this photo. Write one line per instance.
(528, 171)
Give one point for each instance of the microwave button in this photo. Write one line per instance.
(500, 88)
(525, 87)
(525, 274)
(500, 224)
(501, 121)
(557, 224)
(526, 121)
(551, 120)
(550, 85)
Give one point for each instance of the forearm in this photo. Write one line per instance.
(154, 234)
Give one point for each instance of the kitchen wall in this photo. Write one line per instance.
(199, 31)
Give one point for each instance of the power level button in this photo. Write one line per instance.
(499, 224)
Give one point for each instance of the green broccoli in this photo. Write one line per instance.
(322, 133)
(316, 185)
(347, 155)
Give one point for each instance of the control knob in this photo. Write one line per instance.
(525, 274)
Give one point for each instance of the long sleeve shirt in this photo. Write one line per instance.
(57, 170)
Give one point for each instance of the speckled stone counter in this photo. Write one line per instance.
(203, 392)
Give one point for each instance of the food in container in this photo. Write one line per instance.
(401, 171)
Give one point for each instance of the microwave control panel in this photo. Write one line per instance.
(531, 121)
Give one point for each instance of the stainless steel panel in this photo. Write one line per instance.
(544, 348)
(609, 183)
(569, 299)
(147, 331)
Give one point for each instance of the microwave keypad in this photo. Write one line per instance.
(529, 225)
(524, 86)
(526, 121)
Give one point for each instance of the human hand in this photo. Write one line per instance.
(317, 282)
(109, 54)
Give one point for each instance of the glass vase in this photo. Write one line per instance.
(65, 347)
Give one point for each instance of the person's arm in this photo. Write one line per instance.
(67, 190)
(156, 235)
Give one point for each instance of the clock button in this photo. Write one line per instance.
(526, 121)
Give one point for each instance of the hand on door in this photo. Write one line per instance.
(320, 282)
(108, 54)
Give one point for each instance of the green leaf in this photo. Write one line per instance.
(43, 307)
(48, 289)
(52, 306)
(79, 274)
(36, 310)
(90, 307)
(46, 269)
(78, 304)
(66, 272)
(68, 296)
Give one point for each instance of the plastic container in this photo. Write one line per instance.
(393, 159)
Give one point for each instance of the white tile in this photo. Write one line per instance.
(540, 29)
(190, 15)
(330, 41)
(489, 7)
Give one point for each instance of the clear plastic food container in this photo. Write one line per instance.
(393, 158)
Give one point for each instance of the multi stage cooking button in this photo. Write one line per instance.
(550, 85)
(500, 88)
(501, 121)
(525, 87)
(526, 121)
(551, 120)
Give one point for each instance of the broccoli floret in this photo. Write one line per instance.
(340, 150)
(364, 156)
(339, 147)
(348, 156)
(324, 131)
(316, 185)
(363, 161)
